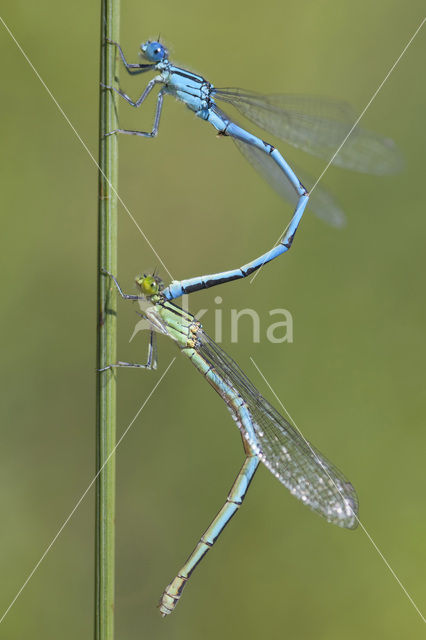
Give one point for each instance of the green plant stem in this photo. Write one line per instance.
(106, 333)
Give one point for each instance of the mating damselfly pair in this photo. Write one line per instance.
(318, 126)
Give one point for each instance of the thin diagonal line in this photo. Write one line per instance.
(370, 101)
(353, 127)
(354, 514)
(80, 500)
(145, 237)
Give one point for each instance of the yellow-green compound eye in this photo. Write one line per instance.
(148, 285)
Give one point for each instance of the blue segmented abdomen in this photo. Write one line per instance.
(230, 395)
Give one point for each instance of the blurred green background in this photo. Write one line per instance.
(353, 378)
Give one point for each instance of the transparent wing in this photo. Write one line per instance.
(306, 473)
(317, 125)
(321, 203)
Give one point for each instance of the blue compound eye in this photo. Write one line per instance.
(154, 51)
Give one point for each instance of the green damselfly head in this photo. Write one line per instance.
(149, 285)
(154, 51)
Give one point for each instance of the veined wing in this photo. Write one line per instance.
(306, 473)
(321, 203)
(317, 125)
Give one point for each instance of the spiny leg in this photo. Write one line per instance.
(126, 296)
(134, 103)
(144, 134)
(151, 362)
(132, 69)
(173, 591)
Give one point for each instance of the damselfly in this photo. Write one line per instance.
(267, 436)
(314, 124)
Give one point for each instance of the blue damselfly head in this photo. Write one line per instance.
(149, 285)
(154, 51)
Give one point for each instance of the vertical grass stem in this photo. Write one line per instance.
(106, 331)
